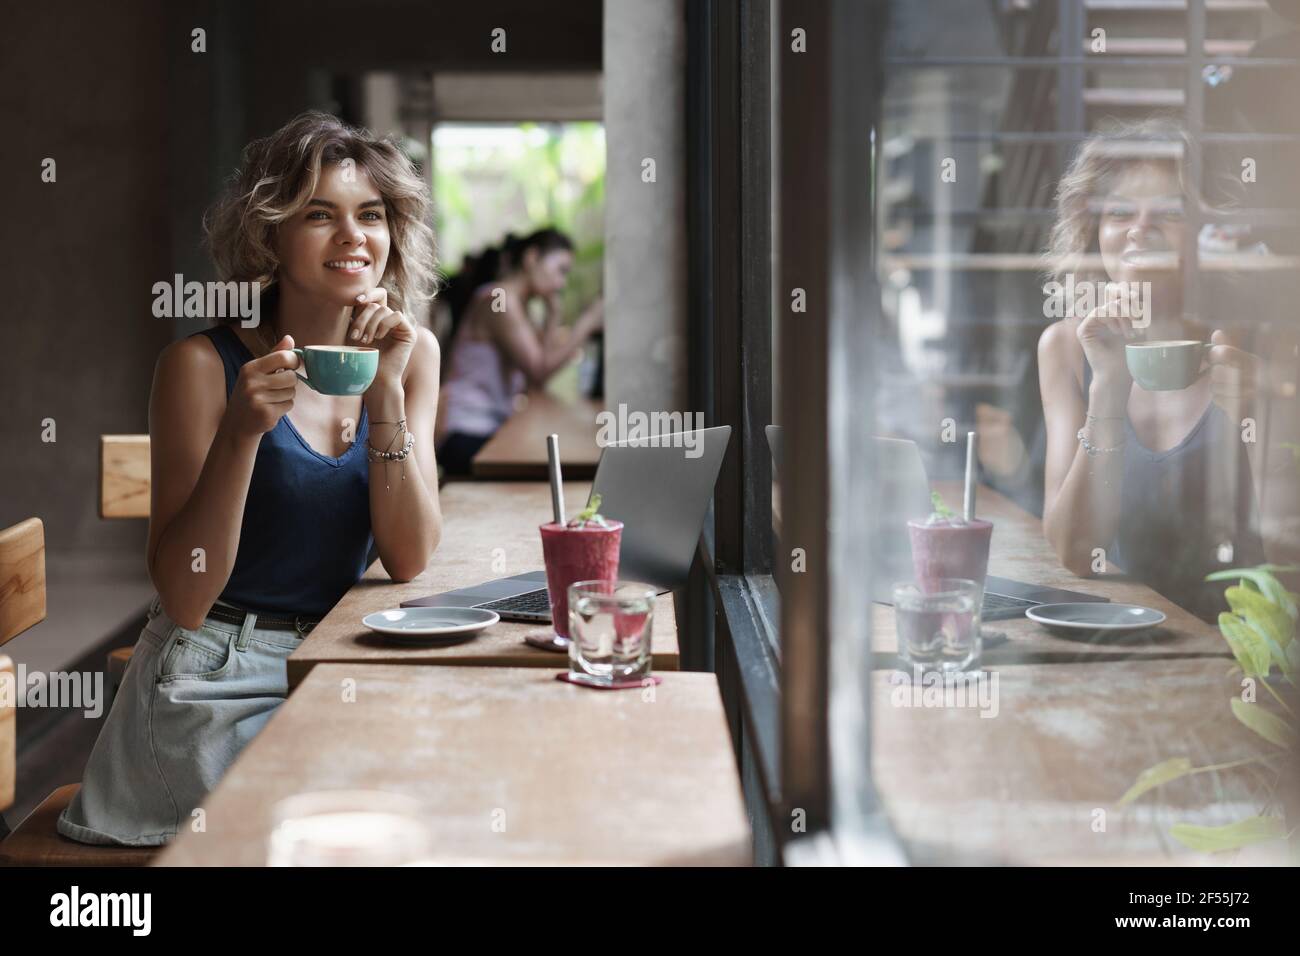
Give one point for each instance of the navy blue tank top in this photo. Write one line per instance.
(1186, 512)
(305, 536)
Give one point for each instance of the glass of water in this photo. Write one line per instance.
(939, 629)
(609, 627)
(349, 828)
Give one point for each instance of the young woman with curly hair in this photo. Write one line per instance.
(266, 495)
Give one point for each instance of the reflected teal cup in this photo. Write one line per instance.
(338, 369)
(1165, 366)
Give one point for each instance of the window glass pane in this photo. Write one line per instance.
(1085, 253)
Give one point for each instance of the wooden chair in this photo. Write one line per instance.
(36, 841)
(124, 478)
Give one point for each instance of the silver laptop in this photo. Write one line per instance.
(904, 495)
(659, 488)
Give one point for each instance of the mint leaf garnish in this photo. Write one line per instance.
(589, 514)
(940, 509)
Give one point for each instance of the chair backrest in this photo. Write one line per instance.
(8, 731)
(22, 604)
(124, 476)
(22, 577)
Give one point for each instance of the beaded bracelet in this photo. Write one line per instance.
(387, 455)
(376, 455)
(1092, 450)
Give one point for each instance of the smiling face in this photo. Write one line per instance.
(336, 247)
(548, 273)
(1141, 231)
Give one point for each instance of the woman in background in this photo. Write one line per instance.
(496, 349)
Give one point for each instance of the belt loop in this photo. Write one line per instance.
(246, 631)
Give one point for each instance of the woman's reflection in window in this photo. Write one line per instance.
(1159, 484)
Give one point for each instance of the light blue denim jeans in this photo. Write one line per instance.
(190, 701)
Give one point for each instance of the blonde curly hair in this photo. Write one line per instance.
(1114, 149)
(278, 176)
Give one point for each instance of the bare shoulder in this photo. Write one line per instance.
(426, 359)
(191, 359)
(427, 351)
(1059, 349)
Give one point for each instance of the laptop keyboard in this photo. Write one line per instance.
(1001, 602)
(530, 602)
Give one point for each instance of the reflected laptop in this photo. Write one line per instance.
(659, 493)
(904, 495)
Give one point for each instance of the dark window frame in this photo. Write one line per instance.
(728, 109)
(777, 694)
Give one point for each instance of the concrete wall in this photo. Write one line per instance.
(144, 130)
(79, 340)
(645, 223)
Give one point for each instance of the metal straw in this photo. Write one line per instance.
(557, 490)
(972, 458)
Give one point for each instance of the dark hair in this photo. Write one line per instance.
(497, 262)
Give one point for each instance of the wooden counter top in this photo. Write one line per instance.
(489, 531)
(566, 774)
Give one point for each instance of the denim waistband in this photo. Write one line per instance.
(276, 636)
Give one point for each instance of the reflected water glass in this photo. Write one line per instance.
(938, 630)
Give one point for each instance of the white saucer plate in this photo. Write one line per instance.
(1093, 617)
(430, 625)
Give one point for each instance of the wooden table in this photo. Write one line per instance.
(518, 449)
(1020, 551)
(514, 766)
(1031, 783)
(489, 531)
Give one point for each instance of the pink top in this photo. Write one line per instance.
(481, 386)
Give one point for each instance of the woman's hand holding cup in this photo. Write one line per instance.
(1234, 377)
(264, 391)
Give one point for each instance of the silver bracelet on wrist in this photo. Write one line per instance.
(387, 455)
(401, 455)
(1093, 450)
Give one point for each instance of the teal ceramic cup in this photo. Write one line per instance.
(338, 369)
(1165, 366)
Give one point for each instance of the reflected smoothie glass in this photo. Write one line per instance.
(944, 548)
(950, 548)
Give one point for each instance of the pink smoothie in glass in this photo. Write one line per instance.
(587, 553)
(950, 548)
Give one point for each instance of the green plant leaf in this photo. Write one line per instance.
(1269, 620)
(1269, 726)
(1154, 776)
(941, 509)
(1230, 836)
(1263, 579)
(1248, 647)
